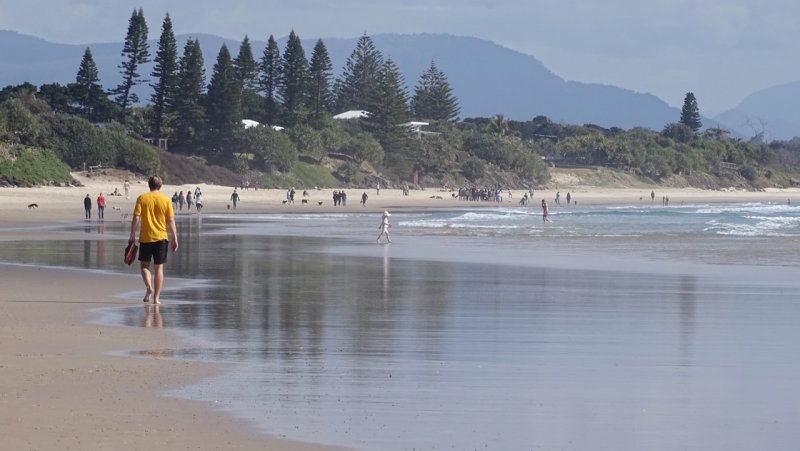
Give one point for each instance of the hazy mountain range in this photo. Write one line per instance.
(488, 79)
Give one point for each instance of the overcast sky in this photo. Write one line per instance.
(722, 50)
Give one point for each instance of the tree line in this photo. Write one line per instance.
(281, 88)
(284, 88)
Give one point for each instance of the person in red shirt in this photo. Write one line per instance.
(101, 206)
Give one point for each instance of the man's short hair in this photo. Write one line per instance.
(154, 182)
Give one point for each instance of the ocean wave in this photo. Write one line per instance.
(761, 228)
(753, 207)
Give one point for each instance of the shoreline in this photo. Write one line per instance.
(56, 204)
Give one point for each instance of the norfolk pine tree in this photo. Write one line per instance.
(165, 73)
(690, 114)
(388, 111)
(247, 73)
(270, 73)
(87, 91)
(433, 98)
(293, 88)
(357, 88)
(135, 51)
(189, 111)
(320, 74)
(222, 106)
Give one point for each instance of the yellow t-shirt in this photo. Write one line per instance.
(154, 209)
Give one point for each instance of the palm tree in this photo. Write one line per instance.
(498, 125)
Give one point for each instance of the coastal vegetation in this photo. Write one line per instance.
(271, 120)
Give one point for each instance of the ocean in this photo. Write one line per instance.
(624, 328)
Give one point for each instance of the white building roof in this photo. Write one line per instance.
(251, 123)
(352, 114)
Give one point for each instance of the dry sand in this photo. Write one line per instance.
(62, 388)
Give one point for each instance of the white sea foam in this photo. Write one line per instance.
(747, 207)
(768, 227)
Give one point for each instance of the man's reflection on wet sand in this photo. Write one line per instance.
(152, 316)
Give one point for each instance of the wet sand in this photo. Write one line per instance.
(65, 388)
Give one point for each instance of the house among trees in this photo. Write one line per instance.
(416, 128)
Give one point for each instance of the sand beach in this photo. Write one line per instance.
(65, 203)
(69, 383)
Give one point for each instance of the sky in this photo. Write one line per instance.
(721, 50)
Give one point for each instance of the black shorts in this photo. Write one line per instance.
(156, 251)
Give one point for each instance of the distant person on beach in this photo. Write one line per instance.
(87, 206)
(188, 199)
(234, 198)
(652, 196)
(364, 198)
(180, 200)
(545, 211)
(153, 211)
(101, 206)
(558, 198)
(198, 201)
(384, 227)
(126, 187)
(378, 189)
(175, 201)
(569, 197)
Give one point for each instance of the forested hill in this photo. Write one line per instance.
(488, 79)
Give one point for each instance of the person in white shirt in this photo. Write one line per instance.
(384, 227)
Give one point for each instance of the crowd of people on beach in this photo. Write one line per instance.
(339, 198)
(190, 198)
(475, 194)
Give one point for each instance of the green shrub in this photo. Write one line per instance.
(34, 166)
(473, 169)
(749, 172)
(349, 172)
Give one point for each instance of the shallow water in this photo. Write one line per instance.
(592, 336)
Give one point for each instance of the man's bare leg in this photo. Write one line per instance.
(158, 282)
(144, 268)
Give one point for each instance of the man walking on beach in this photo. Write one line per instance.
(235, 198)
(154, 212)
(87, 206)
